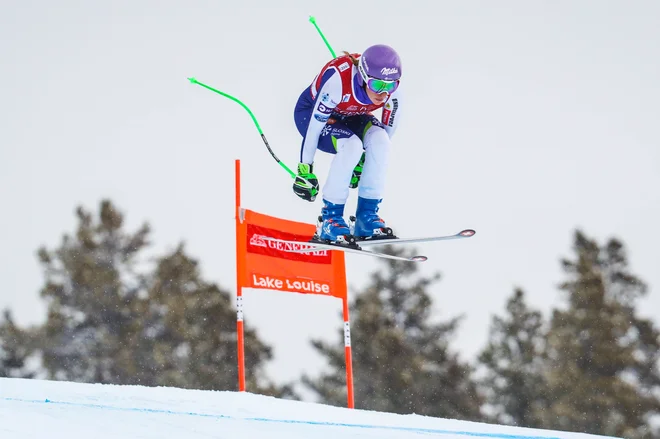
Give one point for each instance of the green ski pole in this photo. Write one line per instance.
(254, 119)
(313, 21)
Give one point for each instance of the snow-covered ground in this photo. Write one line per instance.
(62, 410)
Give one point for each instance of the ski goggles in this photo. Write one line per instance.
(378, 85)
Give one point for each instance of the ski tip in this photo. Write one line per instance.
(418, 258)
(467, 233)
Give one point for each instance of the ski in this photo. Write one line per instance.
(467, 233)
(357, 246)
(316, 246)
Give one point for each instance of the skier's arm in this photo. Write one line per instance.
(392, 112)
(327, 99)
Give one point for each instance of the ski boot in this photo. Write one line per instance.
(331, 227)
(366, 224)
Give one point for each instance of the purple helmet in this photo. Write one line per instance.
(380, 62)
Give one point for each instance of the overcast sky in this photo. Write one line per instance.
(523, 120)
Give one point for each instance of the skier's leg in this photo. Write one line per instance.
(338, 139)
(377, 151)
(348, 152)
(335, 190)
(372, 184)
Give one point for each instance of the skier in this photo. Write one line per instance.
(334, 115)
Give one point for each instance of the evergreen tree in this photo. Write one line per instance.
(112, 320)
(514, 363)
(92, 292)
(188, 338)
(402, 361)
(602, 356)
(15, 349)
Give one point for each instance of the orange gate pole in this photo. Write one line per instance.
(239, 286)
(348, 354)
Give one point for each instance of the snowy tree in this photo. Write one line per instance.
(514, 364)
(92, 291)
(603, 368)
(16, 347)
(188, 334)
(402, 360)
(114, 319)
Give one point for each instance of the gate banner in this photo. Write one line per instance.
(275, 266)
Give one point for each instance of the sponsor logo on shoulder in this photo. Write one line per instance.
(346, 97)
(323, 109)
(343, 66)
(390, 112)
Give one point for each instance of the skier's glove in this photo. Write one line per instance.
(306, 190)
(357, 173)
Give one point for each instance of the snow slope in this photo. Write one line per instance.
(63, 410)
